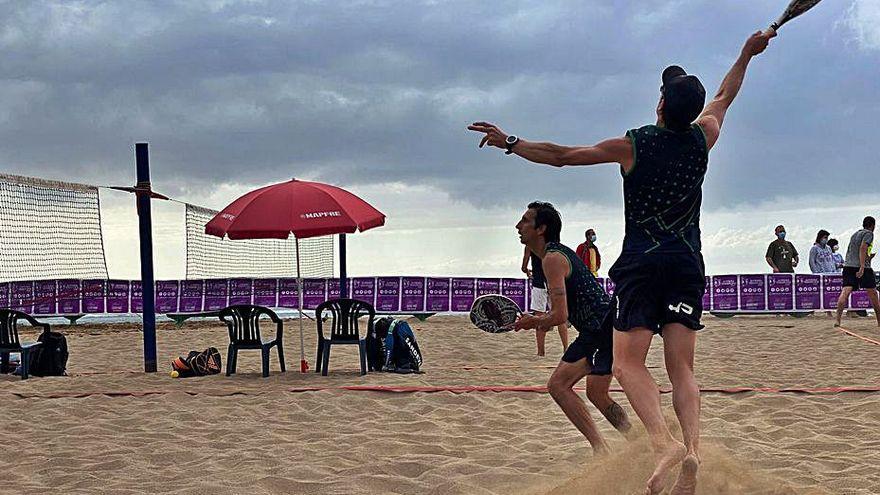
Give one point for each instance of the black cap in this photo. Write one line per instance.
(683, 95)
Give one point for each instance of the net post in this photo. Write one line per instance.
(145, 223)
(343, 292)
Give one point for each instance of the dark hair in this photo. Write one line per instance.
(822, 233)
(832, 242)
(547, 216)
(869, 222)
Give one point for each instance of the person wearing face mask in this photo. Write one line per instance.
(837, 257)
(781, 254)
(821, 256)
(589, 253)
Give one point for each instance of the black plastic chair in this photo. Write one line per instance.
(243, 321)
(344, 315)
(9, 341)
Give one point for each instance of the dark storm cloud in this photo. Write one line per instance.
(373, 91)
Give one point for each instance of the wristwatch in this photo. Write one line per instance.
(509, 143)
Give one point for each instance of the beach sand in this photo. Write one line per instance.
(109, 428)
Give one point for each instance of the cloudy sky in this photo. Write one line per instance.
(374, 96)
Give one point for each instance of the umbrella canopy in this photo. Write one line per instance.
(302, 208)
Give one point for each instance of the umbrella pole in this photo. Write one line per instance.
(303, 364)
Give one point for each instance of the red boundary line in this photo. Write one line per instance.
(851, 333)
(423, 389)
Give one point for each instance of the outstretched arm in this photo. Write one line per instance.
(713, 115)
(615, 150)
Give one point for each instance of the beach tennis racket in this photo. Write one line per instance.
(795, 8)
(494, 313)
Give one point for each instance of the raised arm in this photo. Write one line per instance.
(615, 150)
(713, 115)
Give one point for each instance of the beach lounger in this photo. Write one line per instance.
(243, 322)
(9, 341)
(344, 329)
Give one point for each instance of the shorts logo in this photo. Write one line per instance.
(616, 308)
(682, 308)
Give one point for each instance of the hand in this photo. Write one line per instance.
(860, 272)
(775, 270)
(528, 272)
(525, 322)
(494, 136)
(758, 42)
(794, 262)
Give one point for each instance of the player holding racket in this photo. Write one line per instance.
(575, 296)
(659, 277)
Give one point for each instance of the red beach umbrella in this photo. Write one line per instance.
(302, 208)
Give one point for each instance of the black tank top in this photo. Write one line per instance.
(587, 300)
(664, 190)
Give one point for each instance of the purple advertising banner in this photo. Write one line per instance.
(609, 286)
(831, 288)
(807, 291)
(137, 297)
(93, 294)
(725, 296)
(266, 292)
(241, 291)
(191, 294)
(364, 289)
(412, 294)
(859, 300)
(118, 292)
(333, 288)
(45, 294)
(314, 292)
(780, 291)
(388, 294)
(21, 296)
(752, 292)
(166, 296)
(437, 296)
(707, 294)
(288, 296)
(515, 289)
(4, 294)
(488, 286)
(216, 294)
(462, 294)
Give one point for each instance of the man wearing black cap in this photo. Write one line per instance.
(659, 276)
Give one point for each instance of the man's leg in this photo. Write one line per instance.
(678, 350)
(560, 385)
(597, 392)
(841, 304)
(540, 338)
(875, 303)
(630, 350)
(563, 335)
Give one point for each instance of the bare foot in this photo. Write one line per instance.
(836, 323)
(666, 460)
(686, 484)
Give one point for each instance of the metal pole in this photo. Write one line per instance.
(145, 222)
(343, 292)
(303, 364)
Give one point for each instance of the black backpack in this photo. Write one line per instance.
(50, 359)
(198, 363)
(375, 343)
(402, 353)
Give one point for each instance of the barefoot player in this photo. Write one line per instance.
(659, 277)
(576, 297)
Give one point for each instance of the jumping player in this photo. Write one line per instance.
(576, 297)
(659, 276)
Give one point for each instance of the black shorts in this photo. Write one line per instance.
(652, 290)
(868, 281)
(595, 344)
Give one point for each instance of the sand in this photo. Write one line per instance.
(109, 428)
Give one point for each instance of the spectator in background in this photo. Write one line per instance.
(589, 253)
(838, 258)
(821, 256)
(781, 254)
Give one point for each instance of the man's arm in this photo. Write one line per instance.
(713, 115)
(614, 150)
(794, 258)
(769, 258)
(525, 262)
(555, 268)
(814, 259)
(863, 257)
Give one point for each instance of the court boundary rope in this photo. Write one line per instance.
(853, 334)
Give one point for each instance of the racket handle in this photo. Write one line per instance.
(771, 30)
